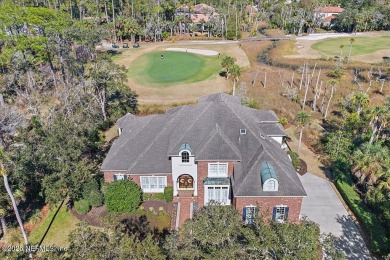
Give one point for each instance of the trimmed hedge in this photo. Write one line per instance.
(153, 196)
(82, 206)
(123, 196)
(379, 242)
(92, 193)
(168, 194)
(296, 162)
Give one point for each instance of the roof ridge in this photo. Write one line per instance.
(198, 115)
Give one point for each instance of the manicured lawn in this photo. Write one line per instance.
(174, 68)
(63, 223)
(362, 45)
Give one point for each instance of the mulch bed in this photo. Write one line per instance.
(303, 169)
(92, 216)
(156, 204)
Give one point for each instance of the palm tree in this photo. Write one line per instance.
(236, 73)
(370, 162)
(352, 40)
(302, 119)
(227, 63)
(3, 173)
(361, 101)
(341, 52)
(333, 83)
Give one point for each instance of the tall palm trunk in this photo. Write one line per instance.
(3, 225)
(300, 140)
(9, 191)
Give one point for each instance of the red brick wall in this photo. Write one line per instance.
(109, 177)
(202, 174)
(267, 204)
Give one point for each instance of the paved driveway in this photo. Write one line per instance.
(324, 207)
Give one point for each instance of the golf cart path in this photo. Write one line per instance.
(324, 208)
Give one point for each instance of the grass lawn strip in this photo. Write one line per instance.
(63, 223)
(361, 45)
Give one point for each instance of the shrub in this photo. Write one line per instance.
(92, 193)
(283, 121)
(296, 162)
(36, 216)
(123, 196)
(82, 206)
(251, 103)
(168, 194)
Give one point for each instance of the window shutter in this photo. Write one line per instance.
(286, 213)
(256, 212)
(274, 214)
(114, 177)
(243, 213)
(125, 177)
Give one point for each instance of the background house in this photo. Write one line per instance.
(215, 151)
(326, 13)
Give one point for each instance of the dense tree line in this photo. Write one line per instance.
(357, 143)
(215, 232)
(57, 95)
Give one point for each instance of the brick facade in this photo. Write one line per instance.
(266, 205)
(202, 174)
(109, 177)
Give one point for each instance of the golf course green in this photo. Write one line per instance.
(169, 68)
(360, 45)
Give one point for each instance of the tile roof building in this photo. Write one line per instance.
(217, 150)
(327, 13)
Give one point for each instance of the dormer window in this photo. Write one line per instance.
(268, 177)
(185, 157)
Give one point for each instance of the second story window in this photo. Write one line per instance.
(217, 170)
(185, 157)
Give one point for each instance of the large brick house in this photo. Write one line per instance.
(217, 150)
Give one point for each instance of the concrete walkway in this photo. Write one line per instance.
(324, 207)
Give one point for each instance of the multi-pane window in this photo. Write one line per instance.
(270, 185)
(153, 183)
(280, 213)
(219, 194)
(217, 169)
(119, 177)
(185, 157)
(250, 214)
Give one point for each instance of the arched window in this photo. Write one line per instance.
(186, 182)
(271, 185)
(185, 157)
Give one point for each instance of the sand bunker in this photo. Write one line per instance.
(196, 51)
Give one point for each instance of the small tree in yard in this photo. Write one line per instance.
(92, 194)
(123, 196)
(302, 119)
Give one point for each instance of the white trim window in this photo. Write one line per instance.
(280, 213)
(217, 194)
(217, 170)
(249, 214)
(153, 183)
(119, 177)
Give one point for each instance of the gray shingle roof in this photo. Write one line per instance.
(212, 129)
